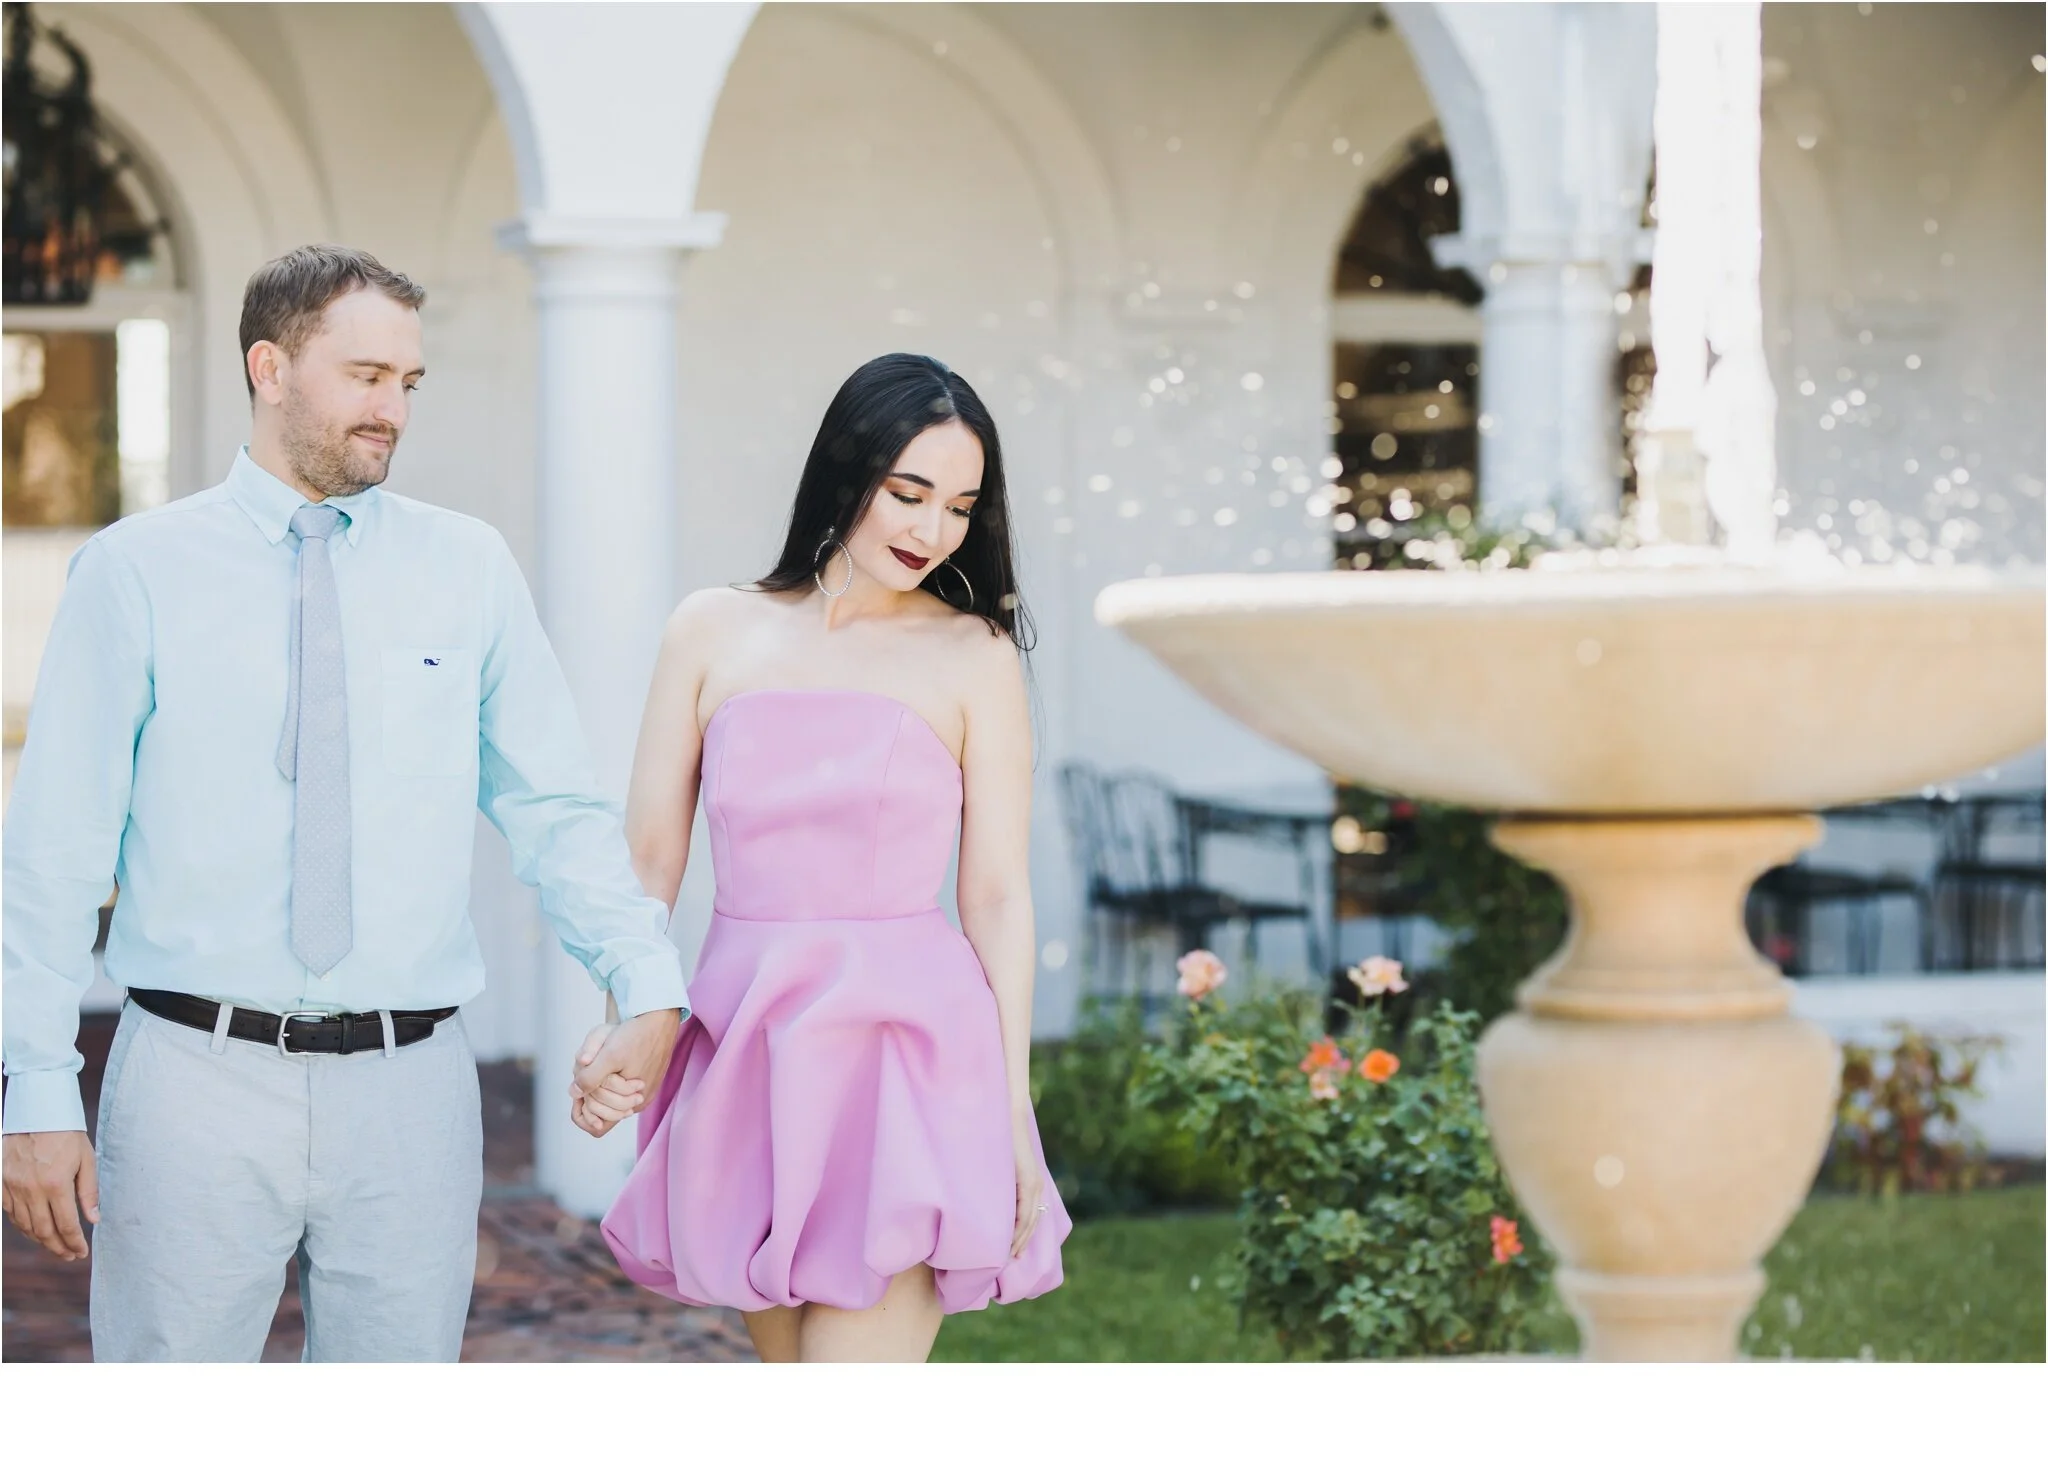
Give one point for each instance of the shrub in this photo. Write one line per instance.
(1107, 1154)
(1375, 1221)
(1899, 1124)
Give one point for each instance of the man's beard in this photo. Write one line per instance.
(328, 458)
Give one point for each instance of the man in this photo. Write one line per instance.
(268, 712)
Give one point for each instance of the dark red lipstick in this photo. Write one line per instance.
(915, 562)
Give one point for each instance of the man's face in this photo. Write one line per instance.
(345, 398)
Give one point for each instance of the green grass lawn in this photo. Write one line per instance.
(1926, 1278)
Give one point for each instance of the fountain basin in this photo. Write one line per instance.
(1654, 736)
(1615, 691)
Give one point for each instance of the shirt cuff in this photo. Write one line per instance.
(43, 1102)
(649, 984)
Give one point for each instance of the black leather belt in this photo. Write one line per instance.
(294, 1032)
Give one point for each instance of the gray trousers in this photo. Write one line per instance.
(220, 1160)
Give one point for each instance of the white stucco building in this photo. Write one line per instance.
(656, 237)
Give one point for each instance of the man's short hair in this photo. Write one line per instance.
(285, 300)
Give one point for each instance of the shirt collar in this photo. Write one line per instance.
(271, 502)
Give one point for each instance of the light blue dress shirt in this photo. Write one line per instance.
(151, 761)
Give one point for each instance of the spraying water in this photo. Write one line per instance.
(1708, 446)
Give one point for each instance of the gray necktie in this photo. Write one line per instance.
(313, 753)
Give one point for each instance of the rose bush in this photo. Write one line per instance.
(1375, 1221)
(1899, 1122)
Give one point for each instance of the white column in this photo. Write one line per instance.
(1550, 429)
(605, 294)
(1547, 112)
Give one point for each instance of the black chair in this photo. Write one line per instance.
(1783, 902)
(1988, 904)
(1109, 889)
(1140, 856)
(1298, 833)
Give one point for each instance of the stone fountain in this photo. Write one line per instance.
(1654, 734)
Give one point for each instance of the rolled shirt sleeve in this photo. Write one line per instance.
(537, 787)
(65, 820)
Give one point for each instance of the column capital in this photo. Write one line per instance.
(535, 232)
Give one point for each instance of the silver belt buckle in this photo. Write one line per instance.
(284, 1022)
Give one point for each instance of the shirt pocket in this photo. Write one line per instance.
(430, 711)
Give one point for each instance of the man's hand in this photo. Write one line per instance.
(620, 1066)
(49, 1179)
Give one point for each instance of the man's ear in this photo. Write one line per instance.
(267, 363)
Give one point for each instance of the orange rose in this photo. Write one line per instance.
(1379, 1065)
(1507, 1241)
(1324, 1055)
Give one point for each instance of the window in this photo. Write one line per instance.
(1404, 424)
(95, 403)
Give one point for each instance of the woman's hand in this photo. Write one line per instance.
(1030, 1187)
(598, 1112)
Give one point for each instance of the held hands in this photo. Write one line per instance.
(619, 1066)
(50, 1178)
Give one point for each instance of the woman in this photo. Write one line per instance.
(843, 1147)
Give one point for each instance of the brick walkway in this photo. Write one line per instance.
(547, 1289)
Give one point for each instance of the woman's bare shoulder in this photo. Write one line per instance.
(717, 608)
(988, 663)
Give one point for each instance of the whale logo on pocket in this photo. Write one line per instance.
(430, 661)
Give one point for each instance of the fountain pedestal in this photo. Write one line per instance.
(1656, 1108)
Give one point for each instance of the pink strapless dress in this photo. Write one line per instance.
(835, 1112)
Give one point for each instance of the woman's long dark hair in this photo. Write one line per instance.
(872, 419)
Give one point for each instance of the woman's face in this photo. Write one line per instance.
(919, 515)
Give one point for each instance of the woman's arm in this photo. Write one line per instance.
(995, 853)
(661, 800)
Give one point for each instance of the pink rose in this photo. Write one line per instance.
(1322, 1084)
(1201, 973)
(1376, 975)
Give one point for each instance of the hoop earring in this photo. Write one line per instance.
(826, 547)
(965, 583)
